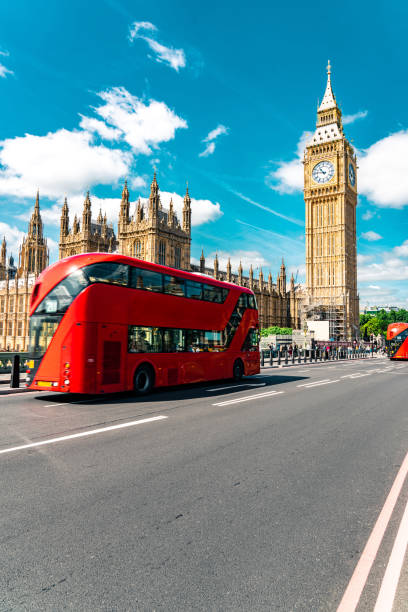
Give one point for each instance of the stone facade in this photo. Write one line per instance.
(154, 233)
(88, 236)
(276, 305)
(330, 192)
(16, 283)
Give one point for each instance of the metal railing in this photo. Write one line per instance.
(299, 355)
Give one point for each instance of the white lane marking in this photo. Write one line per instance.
(82, 434)
(358, 580)
(248, 398)
(320, 384)
(392, 574)
(84, 401)
(313, 382)
(236, 386)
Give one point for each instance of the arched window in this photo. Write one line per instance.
(177, 257)
(162, 253)
(137, 249)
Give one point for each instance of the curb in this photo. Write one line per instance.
(10, 391)
(312, 363)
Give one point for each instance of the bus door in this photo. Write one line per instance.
(112, 349)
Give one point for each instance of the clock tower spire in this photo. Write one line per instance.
(330, 192)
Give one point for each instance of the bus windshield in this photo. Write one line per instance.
(42, 329)
(394, 344)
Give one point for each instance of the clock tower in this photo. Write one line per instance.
(330, 192)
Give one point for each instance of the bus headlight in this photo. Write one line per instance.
(66, 381)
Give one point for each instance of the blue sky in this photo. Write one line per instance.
(219, 94)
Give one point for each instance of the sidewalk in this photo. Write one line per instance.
(6, 390)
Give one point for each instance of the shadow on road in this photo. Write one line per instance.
(219, 388)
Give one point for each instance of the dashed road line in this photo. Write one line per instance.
(236, 387)
(248, 398)
(320, 384)
(313, 382)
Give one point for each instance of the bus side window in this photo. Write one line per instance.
(251, 341)
(213, 294)
(146, 279)
(194, 290)
(144, 339)
(174, 340)
(252, 301)
(243, 301)
(174, 285)
(108, 272)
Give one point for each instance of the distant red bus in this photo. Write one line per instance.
(101, 323)
(397, 341)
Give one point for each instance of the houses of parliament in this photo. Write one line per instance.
(154, 233)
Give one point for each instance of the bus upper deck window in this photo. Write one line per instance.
(146, 279)
(108, 272)
(212, 294)
(174, 285)
(194, 290)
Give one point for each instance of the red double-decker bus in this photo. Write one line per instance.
(397, 341)
(101, 323)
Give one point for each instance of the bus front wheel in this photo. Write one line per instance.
(238, 370)
(143, 380)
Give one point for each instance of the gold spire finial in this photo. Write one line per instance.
(328, 67)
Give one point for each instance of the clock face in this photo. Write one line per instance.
(323, 172)
(352, 175)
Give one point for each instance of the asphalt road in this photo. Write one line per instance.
(239, 498)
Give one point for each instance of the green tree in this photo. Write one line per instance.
(275, 330)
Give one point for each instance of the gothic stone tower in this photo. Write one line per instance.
(154, 233)
(330, 192)
(33, 256)
(88, 237)
(16, 284)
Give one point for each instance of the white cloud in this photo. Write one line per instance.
(288, 178)
(4, 71)
(210, 139)
(14, 238)
(347, 119)
(374, 287)
(90, 124)
(367, 215)
(390, 269)
(220, 129)
(175, 58)
(362, 259)
(70, 162)
(57, 163)
(371, 236)
(143, 126)
(202, 211)
(209, 150)
(383, 171)
(402, 250)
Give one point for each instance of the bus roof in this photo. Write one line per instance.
(57, 271)
(394, 329)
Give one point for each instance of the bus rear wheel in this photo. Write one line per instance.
(144, 380)
(238, 370)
